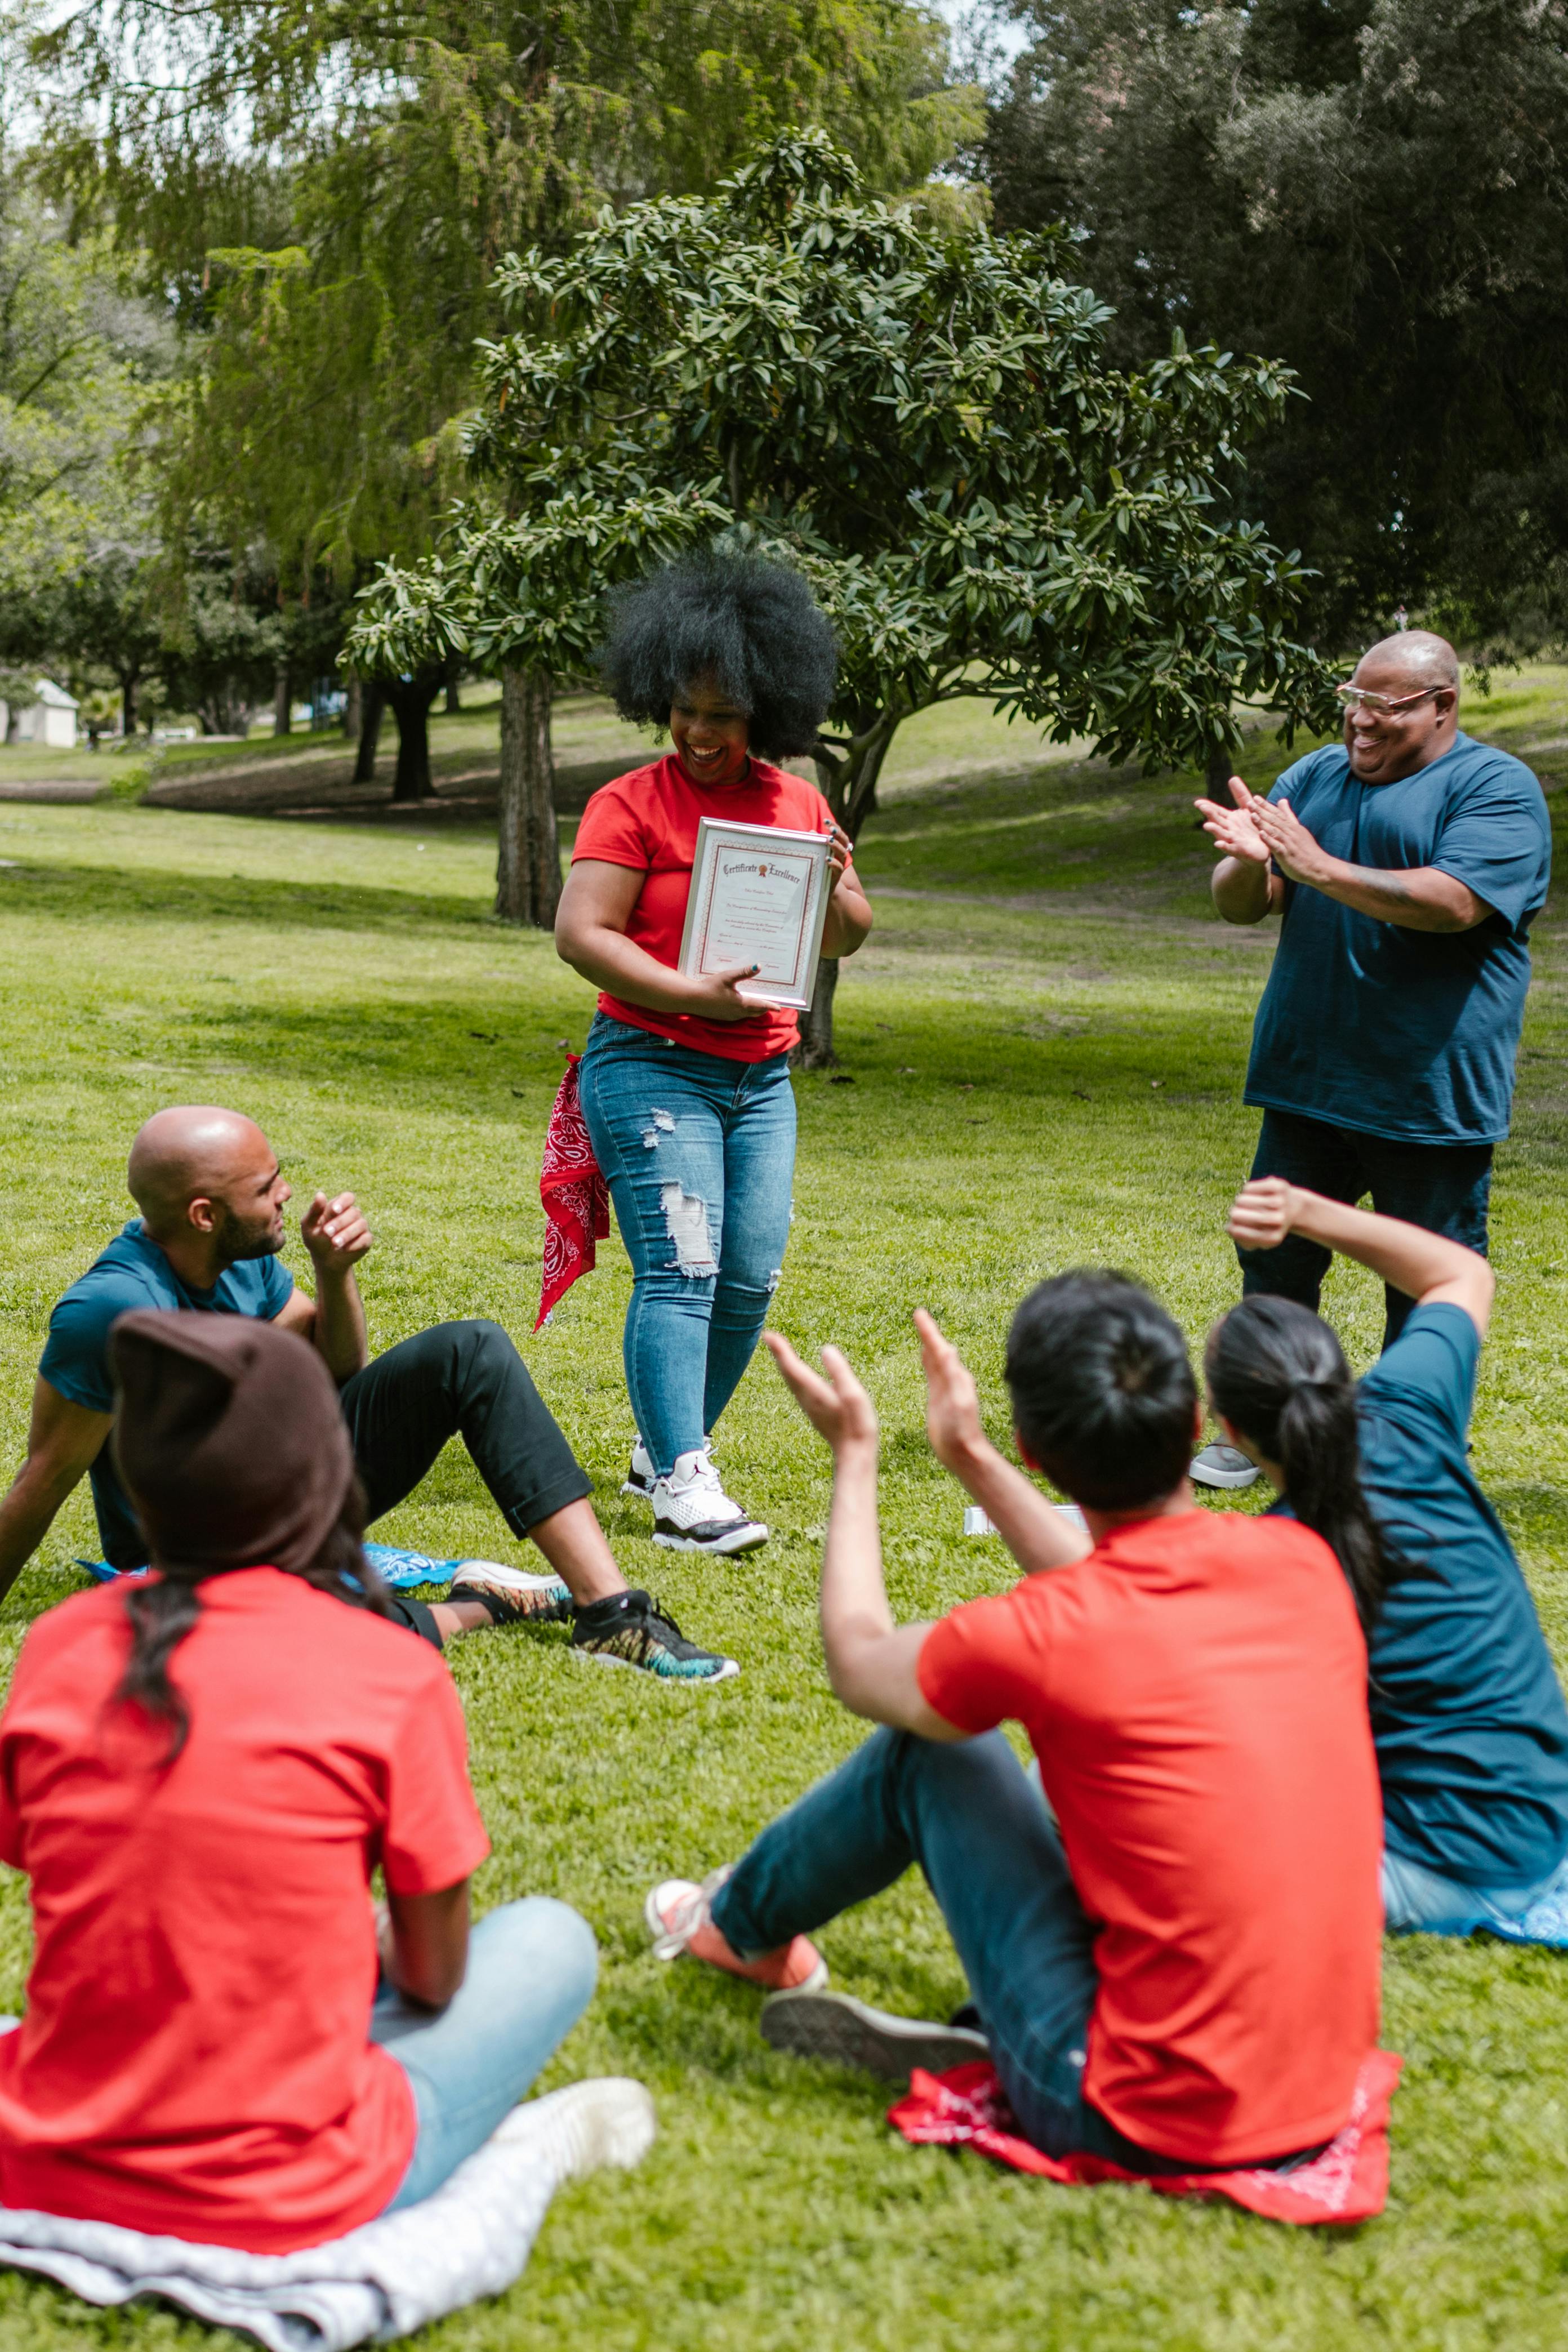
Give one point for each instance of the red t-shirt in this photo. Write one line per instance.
(649, 820)
(195, 2058)
(1195, 1691)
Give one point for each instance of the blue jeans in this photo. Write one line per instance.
(699, 1157)
(1444, 1187)
(1421, 1902)
(531, 1968)
(981, 1832)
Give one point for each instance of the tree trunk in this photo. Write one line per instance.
(1217, 770)
(849, 787)
(282, 702)
(353, 698)
(372, 703)
(411, 699)
(454, 672)
(528, 865)
(128, 685)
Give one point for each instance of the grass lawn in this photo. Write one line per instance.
(1046, 1038)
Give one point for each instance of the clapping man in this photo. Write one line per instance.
(211, 1196)
(1406, 865)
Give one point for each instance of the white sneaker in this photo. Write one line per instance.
(609, 2120)
(1224, 1465)
(641, 1477)
(691, 1512)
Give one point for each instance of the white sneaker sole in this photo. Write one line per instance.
(747, 1537)
(843, 2032)
(1204, 1476)
(505, 1580)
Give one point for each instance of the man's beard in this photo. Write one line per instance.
(241, 1237)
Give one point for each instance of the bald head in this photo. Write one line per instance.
(207, 1177)
(1418, 655)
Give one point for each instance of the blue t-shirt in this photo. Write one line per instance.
(134, 1272)
(1394, 1032)
(1468, 1714)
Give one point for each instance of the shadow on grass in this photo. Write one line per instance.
(156, 895)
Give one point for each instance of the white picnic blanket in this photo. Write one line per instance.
(472, 2238)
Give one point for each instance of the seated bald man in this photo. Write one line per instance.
(211, 1197)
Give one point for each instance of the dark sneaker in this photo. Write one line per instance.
(628, 1631)
(849, 2033)
(1224, 1465)
(510, 1595)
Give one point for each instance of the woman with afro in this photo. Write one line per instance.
(685, 1085)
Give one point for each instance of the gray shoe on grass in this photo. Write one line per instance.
(1224, 1465)
(849, 2033)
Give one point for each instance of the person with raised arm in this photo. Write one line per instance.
(1467, 1712)
(1407, 864)
(1174, 1951)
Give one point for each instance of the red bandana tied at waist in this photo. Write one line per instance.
(575, 1196)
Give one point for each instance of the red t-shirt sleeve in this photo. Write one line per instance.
(975, 1669)
(612, 831)
(434, 1835)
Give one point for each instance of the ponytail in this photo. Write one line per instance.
(163, 1609)
(1278, 1375)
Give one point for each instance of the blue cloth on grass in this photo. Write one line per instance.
(397, 1568)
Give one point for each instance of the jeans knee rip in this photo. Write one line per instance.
(686, 1223)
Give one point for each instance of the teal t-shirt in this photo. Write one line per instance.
(134, 1272)
(1467, 1714)
(1405, 1034)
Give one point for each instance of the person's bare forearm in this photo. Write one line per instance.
(1407, 1257)
(27, 1515)
(616, 964)
(1037, 1535)
(1241, 891)
(848, 922)
(339, 1332)
(1420, 898)
(853, 1597)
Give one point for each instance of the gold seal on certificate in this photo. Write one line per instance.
(759, 894)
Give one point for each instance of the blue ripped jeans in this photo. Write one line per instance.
(698, 1153)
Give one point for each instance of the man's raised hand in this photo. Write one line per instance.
(1293, 849)
(335, 1233)
(837, 1407)
(1234, 831)
(952, 1401)
(1263, 1212)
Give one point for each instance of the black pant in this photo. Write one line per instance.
(1444, 1187)
(466, 1380)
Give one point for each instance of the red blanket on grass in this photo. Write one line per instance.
(575, 1196)
(1349, 2182)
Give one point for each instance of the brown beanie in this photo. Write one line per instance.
(229, 1438)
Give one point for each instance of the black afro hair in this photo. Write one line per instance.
(754, 626)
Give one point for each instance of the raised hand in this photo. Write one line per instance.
(1236, 832)
(952, 1401)
(1263, 1212)
(838, 1407)
(335, 1233)
(1294, 850)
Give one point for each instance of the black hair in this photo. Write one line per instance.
(163, 1610)
(1102, 1389)
(1280, 1377)
(751, 624)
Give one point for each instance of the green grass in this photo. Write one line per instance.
(1047, 1037)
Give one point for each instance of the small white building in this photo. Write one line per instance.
(49, 721)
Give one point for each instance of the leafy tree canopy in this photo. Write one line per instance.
(1373, 191)
(924, 422)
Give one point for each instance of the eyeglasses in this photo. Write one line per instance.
(1378, 706)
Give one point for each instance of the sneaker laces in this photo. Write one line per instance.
(688, 1912)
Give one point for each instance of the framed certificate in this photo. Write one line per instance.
(759, 894)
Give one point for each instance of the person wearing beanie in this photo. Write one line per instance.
(211, 1196)
(198, 1772)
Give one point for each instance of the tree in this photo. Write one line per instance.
(925, 423)
(1374, 192)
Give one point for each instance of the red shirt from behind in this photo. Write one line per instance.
(1196, 1692)
(649, 820)
(195, 2057)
